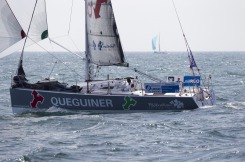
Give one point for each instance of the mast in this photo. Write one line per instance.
(20, 70)
(87, 75)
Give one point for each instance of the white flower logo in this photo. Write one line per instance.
(177, 104)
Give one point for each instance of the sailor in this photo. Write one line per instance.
(129, 81)
(200, 95)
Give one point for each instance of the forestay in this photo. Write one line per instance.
(103, 41)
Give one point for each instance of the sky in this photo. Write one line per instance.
(209, 25)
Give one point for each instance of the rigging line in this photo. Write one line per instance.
(146, 75)
(190, 55)
(29, 28)
(52, 70)
(66, 48)
(63, 36)
(99, 35)
(46, 13)
(186, 42)
(75, 45)
(187, 45)
(56, 57)
(178, 18)
(72, 43)
(70, 17)
(8, 37)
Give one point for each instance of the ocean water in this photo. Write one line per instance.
(214, 133)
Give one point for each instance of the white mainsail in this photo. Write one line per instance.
(10, 30)
(104, 45)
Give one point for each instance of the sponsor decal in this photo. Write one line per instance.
(178, 104)
(96, 8)
(172, 104)
(36, 99)
(94, 45)
(159, 106)
(191, 80)
(152, 88)
(75, 102)
(128, 103)
(105, 46)
(100, 45)
(161, 87)
(109, 46)
(148, 88)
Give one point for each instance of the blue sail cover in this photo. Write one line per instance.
(154, 41)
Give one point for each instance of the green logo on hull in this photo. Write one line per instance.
(128, 102)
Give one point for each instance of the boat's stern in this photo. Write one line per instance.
(205, 97)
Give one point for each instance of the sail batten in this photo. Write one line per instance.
(99, 35)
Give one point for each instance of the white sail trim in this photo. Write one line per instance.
(10, 30)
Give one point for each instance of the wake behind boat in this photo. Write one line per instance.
(103, 48)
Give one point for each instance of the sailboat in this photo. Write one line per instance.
(156, 44)
(103, 48)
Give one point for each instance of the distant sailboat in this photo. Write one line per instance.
(156, 44)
